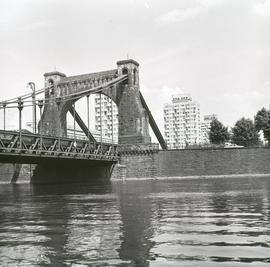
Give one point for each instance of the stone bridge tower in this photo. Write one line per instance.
(133, 118)
(121, 85)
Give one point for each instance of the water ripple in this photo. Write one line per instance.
(196, 222)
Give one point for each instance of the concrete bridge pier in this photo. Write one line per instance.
(73, 171)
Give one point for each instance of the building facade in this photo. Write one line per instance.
(106, 118)
(205, 128)
(182, 122)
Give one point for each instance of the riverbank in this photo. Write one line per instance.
(170, 178)
(197, 162)
(248, 175)
(171, 164)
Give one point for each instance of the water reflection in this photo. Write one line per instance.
(197, 222)
(136, 208)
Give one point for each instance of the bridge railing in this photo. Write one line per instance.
(28, 143)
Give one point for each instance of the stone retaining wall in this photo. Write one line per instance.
(197, 162)
(173, 163)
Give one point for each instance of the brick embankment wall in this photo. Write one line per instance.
(172, 163)
(198, 162)
(203, 162)
(140, 164)
(119, 172)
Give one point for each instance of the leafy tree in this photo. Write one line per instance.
(244, 133)
(262, 122)
(218, 132)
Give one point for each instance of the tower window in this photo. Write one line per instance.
(134, 76)
(124, 71)
(51, 85)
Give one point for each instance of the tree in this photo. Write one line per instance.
(244, 133)
(218, 132)
(262, 122)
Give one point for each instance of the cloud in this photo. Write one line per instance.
(179, 15)
(167, 92)
(243, 103)
(9, 54)
(183, 14)
(262, 8)
(211, 3)
(146, 5)
(156, 104)
(37, 25)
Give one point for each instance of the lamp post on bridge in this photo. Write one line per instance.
(112, 125)
(58, 102)
(88, 120)
(40, 105)
(33, 88)
(100, 118)
(20, 107)
(4, 104)
(74, 123)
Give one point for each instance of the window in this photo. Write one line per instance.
(51, 84)
(134, 76)
(124, 71)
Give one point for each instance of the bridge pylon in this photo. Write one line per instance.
(121, 85)
(133, 118)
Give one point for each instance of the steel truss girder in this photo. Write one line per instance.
(47, 146)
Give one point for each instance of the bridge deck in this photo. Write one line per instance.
(33, 148)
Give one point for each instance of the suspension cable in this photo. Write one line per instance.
(70, 97)
(14, 99)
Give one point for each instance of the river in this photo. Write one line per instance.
(180, 222)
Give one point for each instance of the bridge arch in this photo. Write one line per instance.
(121, 85)
(109, 115)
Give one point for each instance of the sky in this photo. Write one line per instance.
(216, 50)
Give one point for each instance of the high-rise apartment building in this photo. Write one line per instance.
(205, 127)
(106, 122)
(182, 122)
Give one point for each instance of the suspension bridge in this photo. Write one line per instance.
(48, 145)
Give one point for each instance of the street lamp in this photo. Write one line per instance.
(4, 104)
(112, 125)
(40, 105)
(20, 107)
(33, 88)
(58, 102)
(88, 122)
(100, 119)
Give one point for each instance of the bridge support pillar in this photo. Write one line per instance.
(52, 123)
(73, 171)
(133, 118)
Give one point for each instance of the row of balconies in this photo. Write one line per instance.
(181, 122)
(182, 126)
(108, 117)
(177, 118)
(180, 112)
(177, 105)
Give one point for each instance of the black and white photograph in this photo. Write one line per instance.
(135, 133)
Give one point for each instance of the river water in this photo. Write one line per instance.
(194, 222)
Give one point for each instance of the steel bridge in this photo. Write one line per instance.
(19, 147)
(48, 142)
